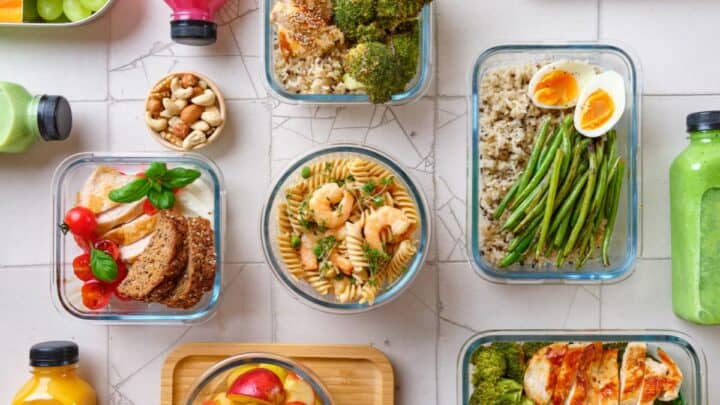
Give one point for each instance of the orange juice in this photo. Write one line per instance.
(54, 378)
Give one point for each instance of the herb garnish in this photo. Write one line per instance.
(376, 258)
(103, 266)
(157, 184)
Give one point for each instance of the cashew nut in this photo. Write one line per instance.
(172, 107)
(203, 84)
(156, 124)
(200, 126)
(212, 116)
(206, 99)
(178, 91)
(193, 139)
(174, 121)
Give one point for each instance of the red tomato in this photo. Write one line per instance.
(108, 247)
(140, 175)
(120, 296)
(95, 295)
(83, 243)
(149, 209)
(81, 267)
(81, 222)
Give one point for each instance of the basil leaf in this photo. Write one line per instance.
(156, 170)
(179, 177)
(156, 186)
(163, 200)
(103, 266)
(130, 192)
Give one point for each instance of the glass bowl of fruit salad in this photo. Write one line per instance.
(258, 379)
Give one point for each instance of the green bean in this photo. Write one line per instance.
(613, 214)
(525, 205)
(504, 202)
(561, 232)
(530, 230)
(599, 196)
(577, 157)
(569, 203)
(543, 168)
(567, 148)
(550, 203)
(531, 216)
(584, 206)
(535, 154)
(606, 208)
(509, 259)
(548, 142)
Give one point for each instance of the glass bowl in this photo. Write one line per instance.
(210, 381)
(682, 348)
(68, 179)
(300, 289)
(624, 245)
(415, 89)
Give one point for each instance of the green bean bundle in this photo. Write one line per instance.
(564, 204)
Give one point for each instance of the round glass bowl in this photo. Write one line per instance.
(210, 383)
(269, 228)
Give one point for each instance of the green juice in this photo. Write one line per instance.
(695, 222)
(25, 118)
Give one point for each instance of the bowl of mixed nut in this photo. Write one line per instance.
(185, 111)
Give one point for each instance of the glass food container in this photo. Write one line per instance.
(269, 229)
(415, 89)
(211, 381)
(682, 348)
(93, 17)
(68, 180)
(625, 241)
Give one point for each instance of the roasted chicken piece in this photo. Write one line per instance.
(581, 392)
(302, 32)
(632, 373)
(606, 382)
(541, 375)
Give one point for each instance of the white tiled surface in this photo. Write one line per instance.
(105, 69)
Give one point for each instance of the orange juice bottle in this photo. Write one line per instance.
(54, 377)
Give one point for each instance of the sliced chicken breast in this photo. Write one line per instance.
(580, 393)
(133, 231)
(94, 194)
(673, 379)
(632, 373)
(568, 373)
(131, 252)
(653, 382)
(119, 215)
(541, 374)
(606, 379)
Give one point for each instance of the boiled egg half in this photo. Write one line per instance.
(559, 84)
(600, 105)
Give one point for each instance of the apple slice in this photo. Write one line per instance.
(220, 399)
(258, 386)
(298, 391)
(238, 371)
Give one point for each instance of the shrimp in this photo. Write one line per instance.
(382, 218)
(331, 205)
(342, 262)
(307, 254)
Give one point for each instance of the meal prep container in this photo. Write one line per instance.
(682, 348)
(416, 88)
(94, 16)
(208, 382)
(624, 246)
(68, 180)
(300, 289)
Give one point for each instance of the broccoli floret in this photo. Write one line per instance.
(374, 65)
(407, 50)
(372, 32)
(530, 348)
(515, 358)
(526, 401)
(490, 365)
(398, 11)
(354, 17)
(503, 392)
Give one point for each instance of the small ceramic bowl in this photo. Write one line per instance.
(220, 103)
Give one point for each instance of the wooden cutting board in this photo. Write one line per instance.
(353, 374)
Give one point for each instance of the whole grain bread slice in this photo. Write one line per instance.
(200, 273)
(164, 259)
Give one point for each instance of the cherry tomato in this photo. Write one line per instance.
(121, 274)
(81, 222)
(108, 247)
(149, 209)
(95, 295)
(121, 297)
(140, 175)
(83, 243)
(81, 267)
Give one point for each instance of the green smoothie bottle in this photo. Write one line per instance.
(25, 118)
(695, 222)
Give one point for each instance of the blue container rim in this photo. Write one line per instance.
(278, 268)
(416, 91)
(218, 186)
(622, 269)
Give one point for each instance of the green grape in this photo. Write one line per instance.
(74, 10)
(49, 9)
(93, 5)
(30, 13)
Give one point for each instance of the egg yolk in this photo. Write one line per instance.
(596, 110)
(556, 88)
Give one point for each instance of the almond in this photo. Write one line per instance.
(191, 113)
(189, 80)
(181, 130)
(154, 106)
(197, 90)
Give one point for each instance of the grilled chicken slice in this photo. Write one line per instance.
(301, 32)
(673, 378)
(606, 379)
(94, 194)
(653, 382)
(133, 231)
(542, 371)
(581, 392)
(131, 252)
(567, 374)
(119, 215)
(632, 373)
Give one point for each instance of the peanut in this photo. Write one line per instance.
(191, 113)
(189, 80)
(154, 106)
